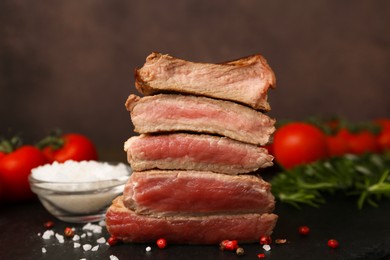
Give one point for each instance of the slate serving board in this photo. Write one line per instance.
(363, 234)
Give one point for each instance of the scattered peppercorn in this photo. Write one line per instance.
(240, 251)
(112, 241)
(304, 230)
(222, 245)
(68, 232)
(280, 241)
(261, 255)
(48, 224)
(229, 245)
(265, 240)
(333, 243)
(161, 243)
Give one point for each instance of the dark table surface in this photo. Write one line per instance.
(362, 234)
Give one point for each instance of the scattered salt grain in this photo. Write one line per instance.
(267, 247)
(76, 245)
(60, 238)
(102, 223)
(48, 234)
(112, 257)
(83, 258)
(83, 235)
(76, 238)
(92, 227)
(148, 249)
(39, 234)
(89, 234)
(101, 240)
(95, 248)
(44, 250)
(87, 247)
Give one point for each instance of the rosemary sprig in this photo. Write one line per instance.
(366, 177)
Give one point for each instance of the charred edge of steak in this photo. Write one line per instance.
(248, 60)
(262, 105)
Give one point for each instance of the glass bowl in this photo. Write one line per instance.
(78, 201)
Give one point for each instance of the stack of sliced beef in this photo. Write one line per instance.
(202, 127)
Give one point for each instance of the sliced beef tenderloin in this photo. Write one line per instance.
(245, 80)
(195, 152)
(128, 226)
(167, 193)
(165, 113)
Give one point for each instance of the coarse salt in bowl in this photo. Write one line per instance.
(79, 192)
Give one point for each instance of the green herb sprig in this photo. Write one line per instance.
(365, 176)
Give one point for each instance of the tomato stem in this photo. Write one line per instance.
(54, 141)
(9, 145)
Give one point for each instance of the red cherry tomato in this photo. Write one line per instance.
(2, 154)
(384, 123)
(383, 137)
(362, 142)
(2, 193)
(15, 168)
(383, 140)
(75, 147)
(337, 145)
(299, 143)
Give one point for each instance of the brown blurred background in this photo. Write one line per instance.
(69, 64)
